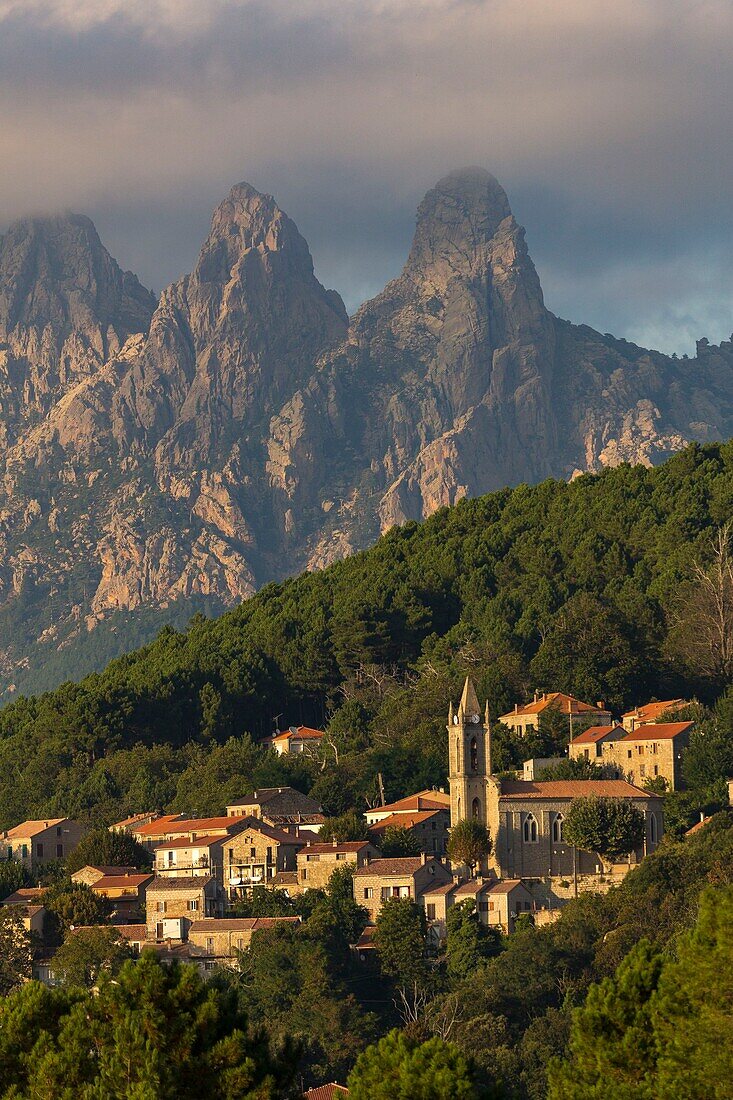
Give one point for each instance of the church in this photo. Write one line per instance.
(525, 819)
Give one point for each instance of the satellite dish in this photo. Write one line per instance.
(455, 719)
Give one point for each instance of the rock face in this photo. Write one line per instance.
(241, 428)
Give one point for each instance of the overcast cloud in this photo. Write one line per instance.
(609, 124)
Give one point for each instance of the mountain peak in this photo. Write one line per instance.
(457, 217)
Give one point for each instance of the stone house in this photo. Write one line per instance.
(498, 903)
(525, 718)
(430, 827)
(422, 802)
(317, 862)
(177, 827)
(255, 854)
(130, 823)
(595, 744)
(222, 939)
(650, 712)
(125, 893)
(93, 873)
(173, 904)
(36, 843)
(653, 751)
(282, 807)
(405, 877)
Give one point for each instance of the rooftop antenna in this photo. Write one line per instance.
(274, 721)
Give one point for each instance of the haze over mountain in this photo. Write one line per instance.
(161, 458)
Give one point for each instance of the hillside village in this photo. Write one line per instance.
(181, 906)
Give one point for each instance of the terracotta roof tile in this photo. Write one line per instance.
(327, 1092)
(32, 828)
(240, 924)
(596, 733)
(115, 882)
(187, 882)
(658, 731)
(401, 865)
(649, 712)
(558, 700)
(405, 820)
(352, 846)
(423, 800)
(571, 788)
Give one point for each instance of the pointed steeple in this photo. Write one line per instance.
(487, 723)
(450, 714)
(469, 700)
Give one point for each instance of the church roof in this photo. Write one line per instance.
(571, 788)
(469, 698)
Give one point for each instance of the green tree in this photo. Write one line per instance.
(73, 903)
(152, 1031)
(105, 849)
(612, 1042)
(13, 876)
(469, 942)
(469, 843)
(349, 826)
(612, 827)
(398, 841)
(692, 1013)
(87, 952)
(400, 942)
(16, 952)
(398, 1068)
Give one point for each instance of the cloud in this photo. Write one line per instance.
(608, 123)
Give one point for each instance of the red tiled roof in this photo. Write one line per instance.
(302, 733)
(135, 932)
(442, 888)
(156, 828)
(651, 711)
(403, 821)
(180, 882)
(658, 731)
(571, 788)
(24, 895)
(697, 826)
(560, 701)
(32, 828)
(595, 733)
(108, 870)
(327, 1092)
(114, 882)
(185, 842)
(505, 886)
(129, 820)
(423, 800)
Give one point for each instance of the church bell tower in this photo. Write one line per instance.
(469, 757)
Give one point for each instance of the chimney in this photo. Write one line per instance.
(536, 696)
(335, 843)
(424, 858)
(516, 708)
(600, 705)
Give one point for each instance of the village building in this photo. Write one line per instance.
(533, 769)
(282, 807)
(317, 862)
(525, 818)
(650, 712)
(652, 752)
(36, 843)
(422, 802)
(177, 827)
(429, 827)
(129, 823)
(404, 877)
(497, 903)
(525, 718)
(245, 852)
(296, 740)
(173, 904)
(94, 872)
(125, 893)
(222, 939)
(595, 744)
(331, 1091)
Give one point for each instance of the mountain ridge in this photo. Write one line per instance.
(248, 429)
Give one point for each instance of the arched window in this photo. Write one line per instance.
(530, 830)
(653, 828)
(557, 828)
(476, 810)
(474, 755)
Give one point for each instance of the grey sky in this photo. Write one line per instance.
(609, 124)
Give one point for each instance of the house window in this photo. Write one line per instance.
(557, 828)
(430, 910)
(474, 755)
(162, 906)
(656, 769)
(193, 904)
(59, 851)
(209, 945)
(629, 754)
(231, 855)
(252, 852)
(340, 855)
(269, 854)
(304, 873)
(39, 851)
(240, 944)
(170, 859)
(530, 830)
(58, 830)
(368, 892)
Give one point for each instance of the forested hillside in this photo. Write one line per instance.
(587, 587)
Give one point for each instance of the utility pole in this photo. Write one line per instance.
(383, 801)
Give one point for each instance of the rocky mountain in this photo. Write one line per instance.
(163, 458)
